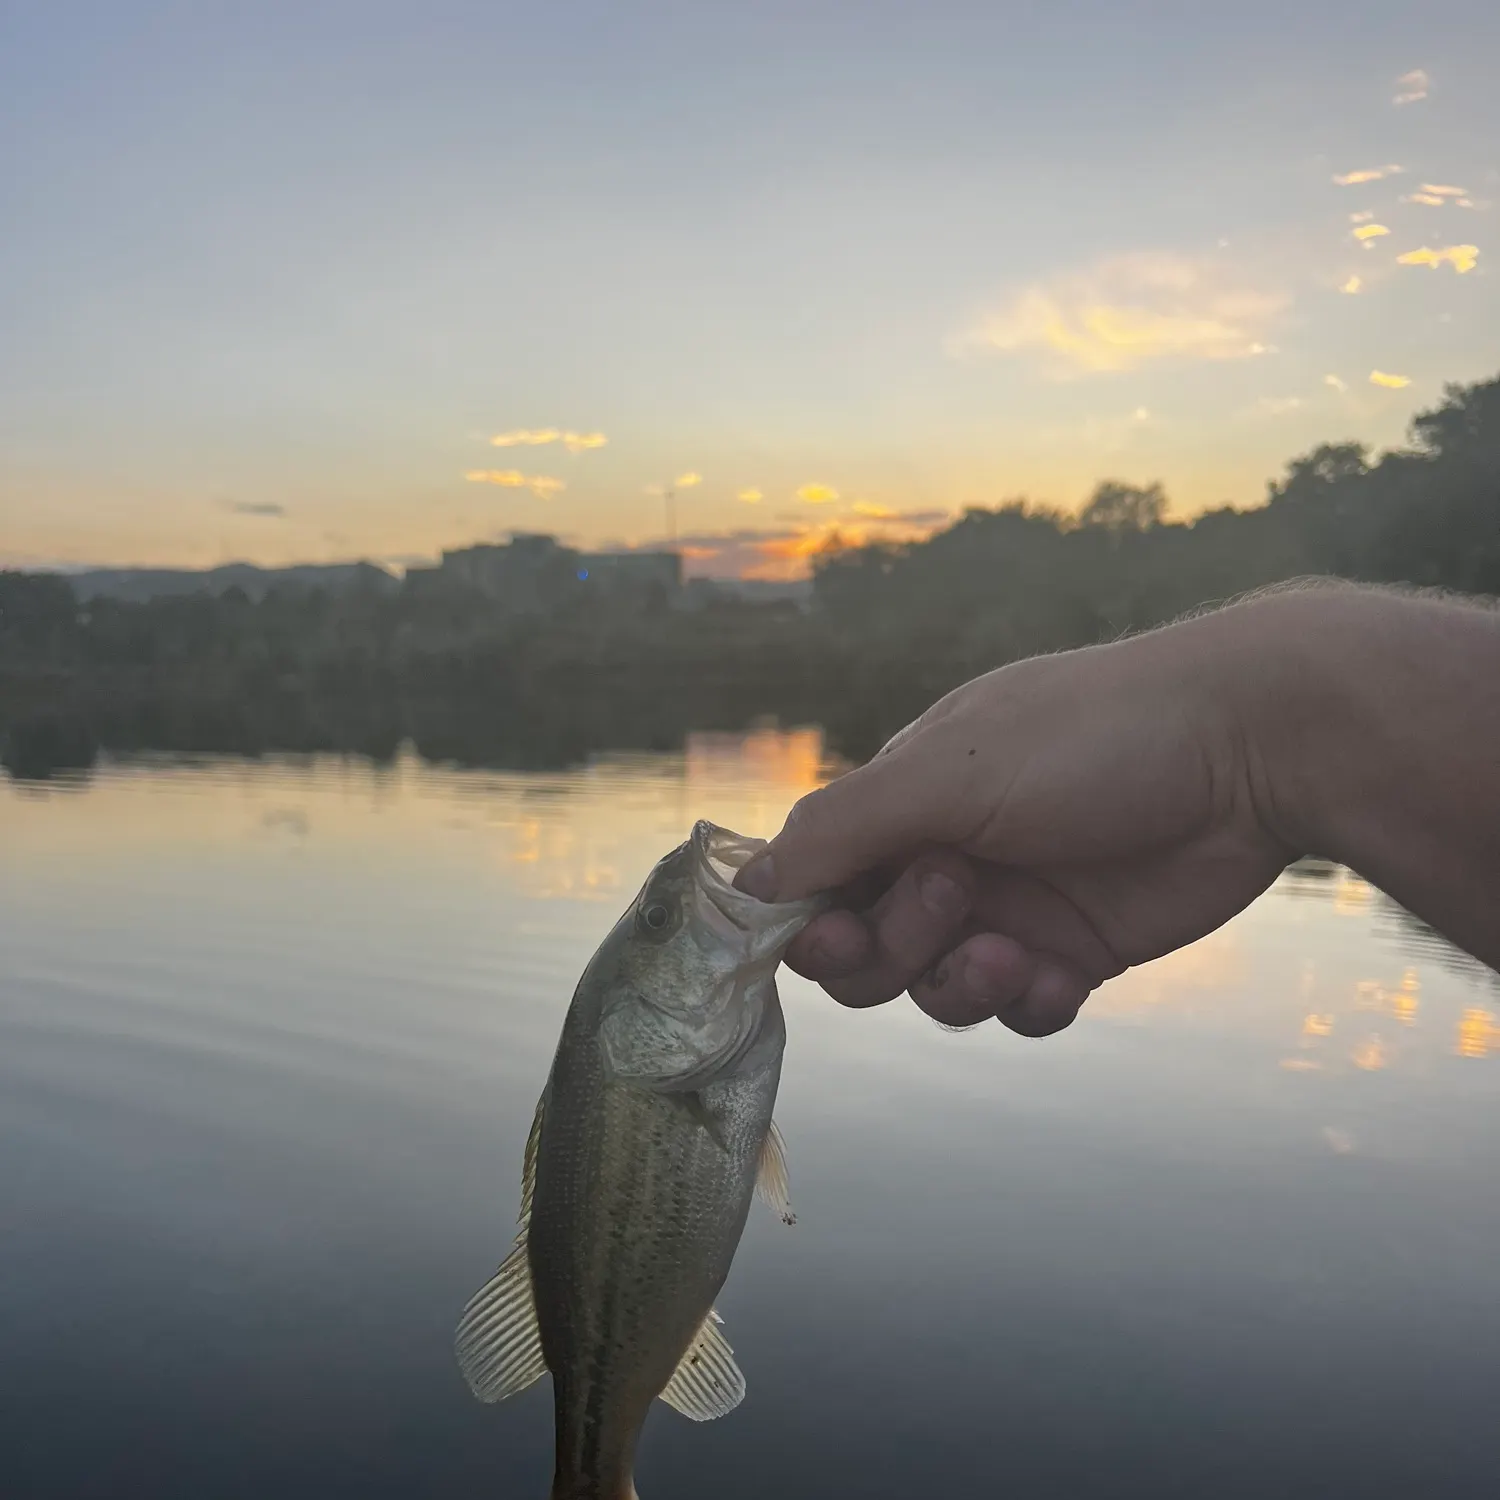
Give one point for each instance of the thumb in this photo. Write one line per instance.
(881, 811)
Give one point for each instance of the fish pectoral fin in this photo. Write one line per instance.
(770, 1175)
(707, 1383)
(498, 1343)
(694, 1105)
(528, 1166)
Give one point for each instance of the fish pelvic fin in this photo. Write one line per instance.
(707, 1383)
(771, 1185)
(498, 1341)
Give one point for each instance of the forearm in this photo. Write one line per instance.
(1372, 735)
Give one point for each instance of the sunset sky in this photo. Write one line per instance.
(292, 282)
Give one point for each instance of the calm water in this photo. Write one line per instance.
(270, 1040)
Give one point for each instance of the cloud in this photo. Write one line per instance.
(1335, 383)
(539, 437)
(873, 512)
(1390, 382)
(1411, 86)
(818, 494)
(1361, 218)
(1105, 433)
(268, 509)
(788, 555)
(688, 480)
(1443, 190)
(1352, 286)
(785, 552)
(1277, 406)
(1367, 174)
(1130, 311)
(1429, 199)
(542, 485)
(1370, 231)
(750, 496)
(1462, 258)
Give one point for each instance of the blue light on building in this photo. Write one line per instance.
(583, 573)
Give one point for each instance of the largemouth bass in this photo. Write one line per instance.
(649, 1141)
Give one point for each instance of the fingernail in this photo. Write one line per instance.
(758, 878)
(942, 895)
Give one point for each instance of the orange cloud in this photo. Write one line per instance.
(688, 480)
(1368, 174)
(1134, 310)
(543, 485)
(787, 554)
(818, 494)
(1462, 258)
(751, 496)
(872, 512)
(1430, 199)
(1352, 286)
(1390, 382)
(1370, 231)
(1442, 190)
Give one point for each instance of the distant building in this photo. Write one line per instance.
(533, 572)
(137, 585)
(633, 572)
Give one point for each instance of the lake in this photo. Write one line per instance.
(271, 1035)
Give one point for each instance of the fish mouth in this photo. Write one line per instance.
(724, 913)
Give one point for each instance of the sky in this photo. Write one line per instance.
(313, 281)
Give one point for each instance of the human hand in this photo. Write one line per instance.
(1036, 832)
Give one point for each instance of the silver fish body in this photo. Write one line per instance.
(650, 1138)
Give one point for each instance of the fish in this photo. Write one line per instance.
(653, 1133)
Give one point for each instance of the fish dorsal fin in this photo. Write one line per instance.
(498, 1342)
(770, 1175)
(707, 1382)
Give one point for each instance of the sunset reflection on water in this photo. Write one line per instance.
(271, 1035)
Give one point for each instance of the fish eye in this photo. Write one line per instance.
(656, 916)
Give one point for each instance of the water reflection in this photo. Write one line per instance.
(270, 1038)
(1478, 1032)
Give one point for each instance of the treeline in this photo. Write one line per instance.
(891, 627)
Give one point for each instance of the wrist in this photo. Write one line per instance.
(1348, 700)
(1301, 694)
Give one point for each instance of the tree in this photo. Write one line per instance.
(1117, 506)
(1314, 474)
